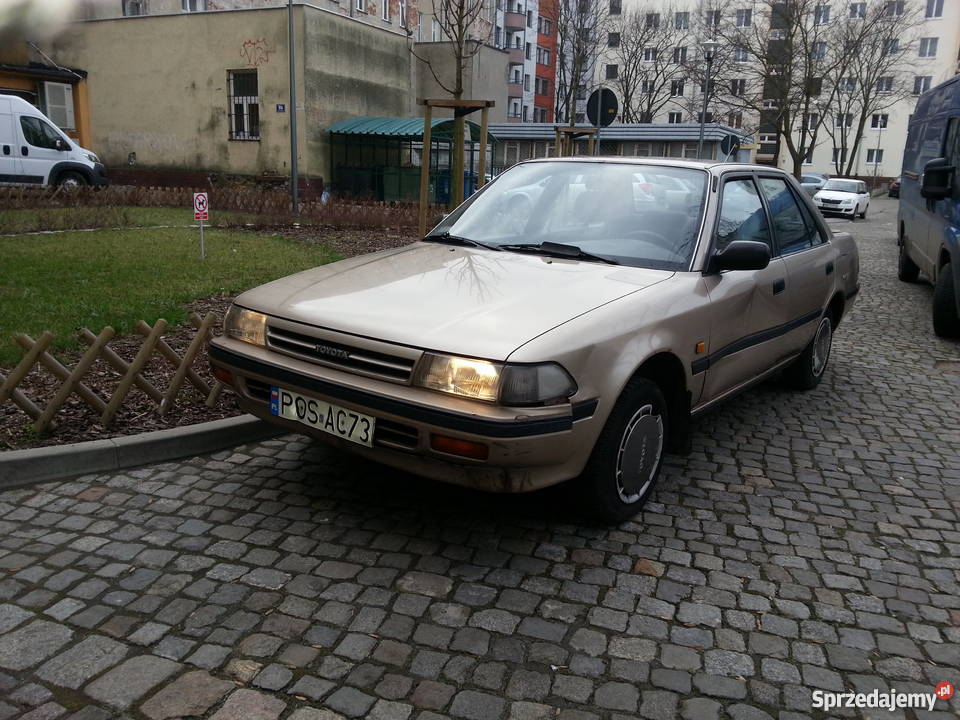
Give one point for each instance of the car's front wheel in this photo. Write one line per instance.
(71, 179)
(907, 270)
(806, 372)
(863, 215)
(946, 322)
(625, 463)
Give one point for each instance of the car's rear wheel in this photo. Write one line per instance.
(946, 322)
(806, 372)
(907, 269)
(625, 463)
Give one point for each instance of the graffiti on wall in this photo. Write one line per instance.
(256, 52)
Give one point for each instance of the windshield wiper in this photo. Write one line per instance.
(449, 239)
(558, 250)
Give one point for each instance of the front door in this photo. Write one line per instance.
(745, 305)
(38, 149)
(944, 215)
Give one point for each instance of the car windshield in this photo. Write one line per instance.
(849, 186)
(631, 214)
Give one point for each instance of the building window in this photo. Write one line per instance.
(613, 39)
(193, 5)
(885, 84)
(808, 158)
(58, 104)
(811, 120)
(934, 8)
(613, 72)
(711, 18)
(436, 32)
(681, 20)
(744, 18)
(134, 7)
(676, 88)
(848, 84)
(244, 104)
(735, 119)
(858, 9)
(525, 113)
(769, 104)
(879, 121)
(844, 120)
(674, 117)
(921, 83)
(818, 50)
(874, 156)
(679, 55)
(529, 18)
(403, 19)
(740, 55)
(385, 10)
(895, 8)
(614, 7)
(839, 155)
(652, 20)
(821, 15)
(890, 46)
(928, 47)
(709, 118)
(543, 56)
(738, 87)
(649, 54)
(646, 88)
(526, 83)
(514, 109)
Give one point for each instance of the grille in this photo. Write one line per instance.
(395, 435)
(830, 202)
(258, 390)
(345, 357)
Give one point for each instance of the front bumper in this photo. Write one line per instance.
(99, 175)
(529, 448)
(838, 209)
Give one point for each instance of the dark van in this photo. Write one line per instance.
(929, 216)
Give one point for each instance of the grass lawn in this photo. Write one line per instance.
(33, 220)
(65, 281)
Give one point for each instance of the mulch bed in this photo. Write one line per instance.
(76, 422)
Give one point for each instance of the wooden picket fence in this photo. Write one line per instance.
(130, 373)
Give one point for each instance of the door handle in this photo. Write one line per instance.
(24, 150)
(779, 286)
(6, 149)
(830, 268)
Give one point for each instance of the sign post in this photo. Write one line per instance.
(201, 212)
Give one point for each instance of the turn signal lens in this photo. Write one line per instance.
(224, 376)
(463, 448)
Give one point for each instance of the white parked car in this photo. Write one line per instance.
(843, 196)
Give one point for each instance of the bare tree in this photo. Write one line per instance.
(463, 25)
(579, 26)
(874, 77)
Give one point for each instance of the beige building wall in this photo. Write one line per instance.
(485, 77)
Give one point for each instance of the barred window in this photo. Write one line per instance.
(244, 103)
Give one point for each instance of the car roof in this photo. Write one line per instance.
(708, 165)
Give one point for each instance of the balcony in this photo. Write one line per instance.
(516, 56)
(515, 21)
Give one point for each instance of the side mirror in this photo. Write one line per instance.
(60, 145)
(741, 255)
(935, 182)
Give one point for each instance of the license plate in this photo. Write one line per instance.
(329, 418)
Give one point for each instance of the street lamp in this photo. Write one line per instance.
(709, 47)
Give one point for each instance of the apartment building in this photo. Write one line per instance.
(530, 39)
(928, 50)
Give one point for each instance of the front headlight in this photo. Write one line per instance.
(514, 385)
(92, 158)
(246, 325)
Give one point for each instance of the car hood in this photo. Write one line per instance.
(835, 195)
(461, 300)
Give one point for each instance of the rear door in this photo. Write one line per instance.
(809, 261)
(9, 165)
(745, 305)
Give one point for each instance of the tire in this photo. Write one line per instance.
(806, 372)
(946, 322)
(71, 179)
(863, 215)
(907, 270)
(636, 432)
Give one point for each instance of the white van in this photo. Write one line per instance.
(34, 151)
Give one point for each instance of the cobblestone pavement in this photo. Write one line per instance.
(811, 541)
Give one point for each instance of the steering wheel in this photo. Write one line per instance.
(649, 236)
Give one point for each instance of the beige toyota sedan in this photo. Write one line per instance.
(564, 323)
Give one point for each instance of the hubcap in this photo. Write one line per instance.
(639, 454)
(821, 346)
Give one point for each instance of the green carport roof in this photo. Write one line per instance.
(402, 128)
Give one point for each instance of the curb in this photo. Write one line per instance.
(26, 467)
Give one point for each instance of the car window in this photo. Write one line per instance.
(632, 213)
(742, 216)
(792, 231)
(38, 133)
(850, 186)
(951, 151)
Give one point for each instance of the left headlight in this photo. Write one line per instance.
(92, 158)
(246, 325)
(514, 385)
